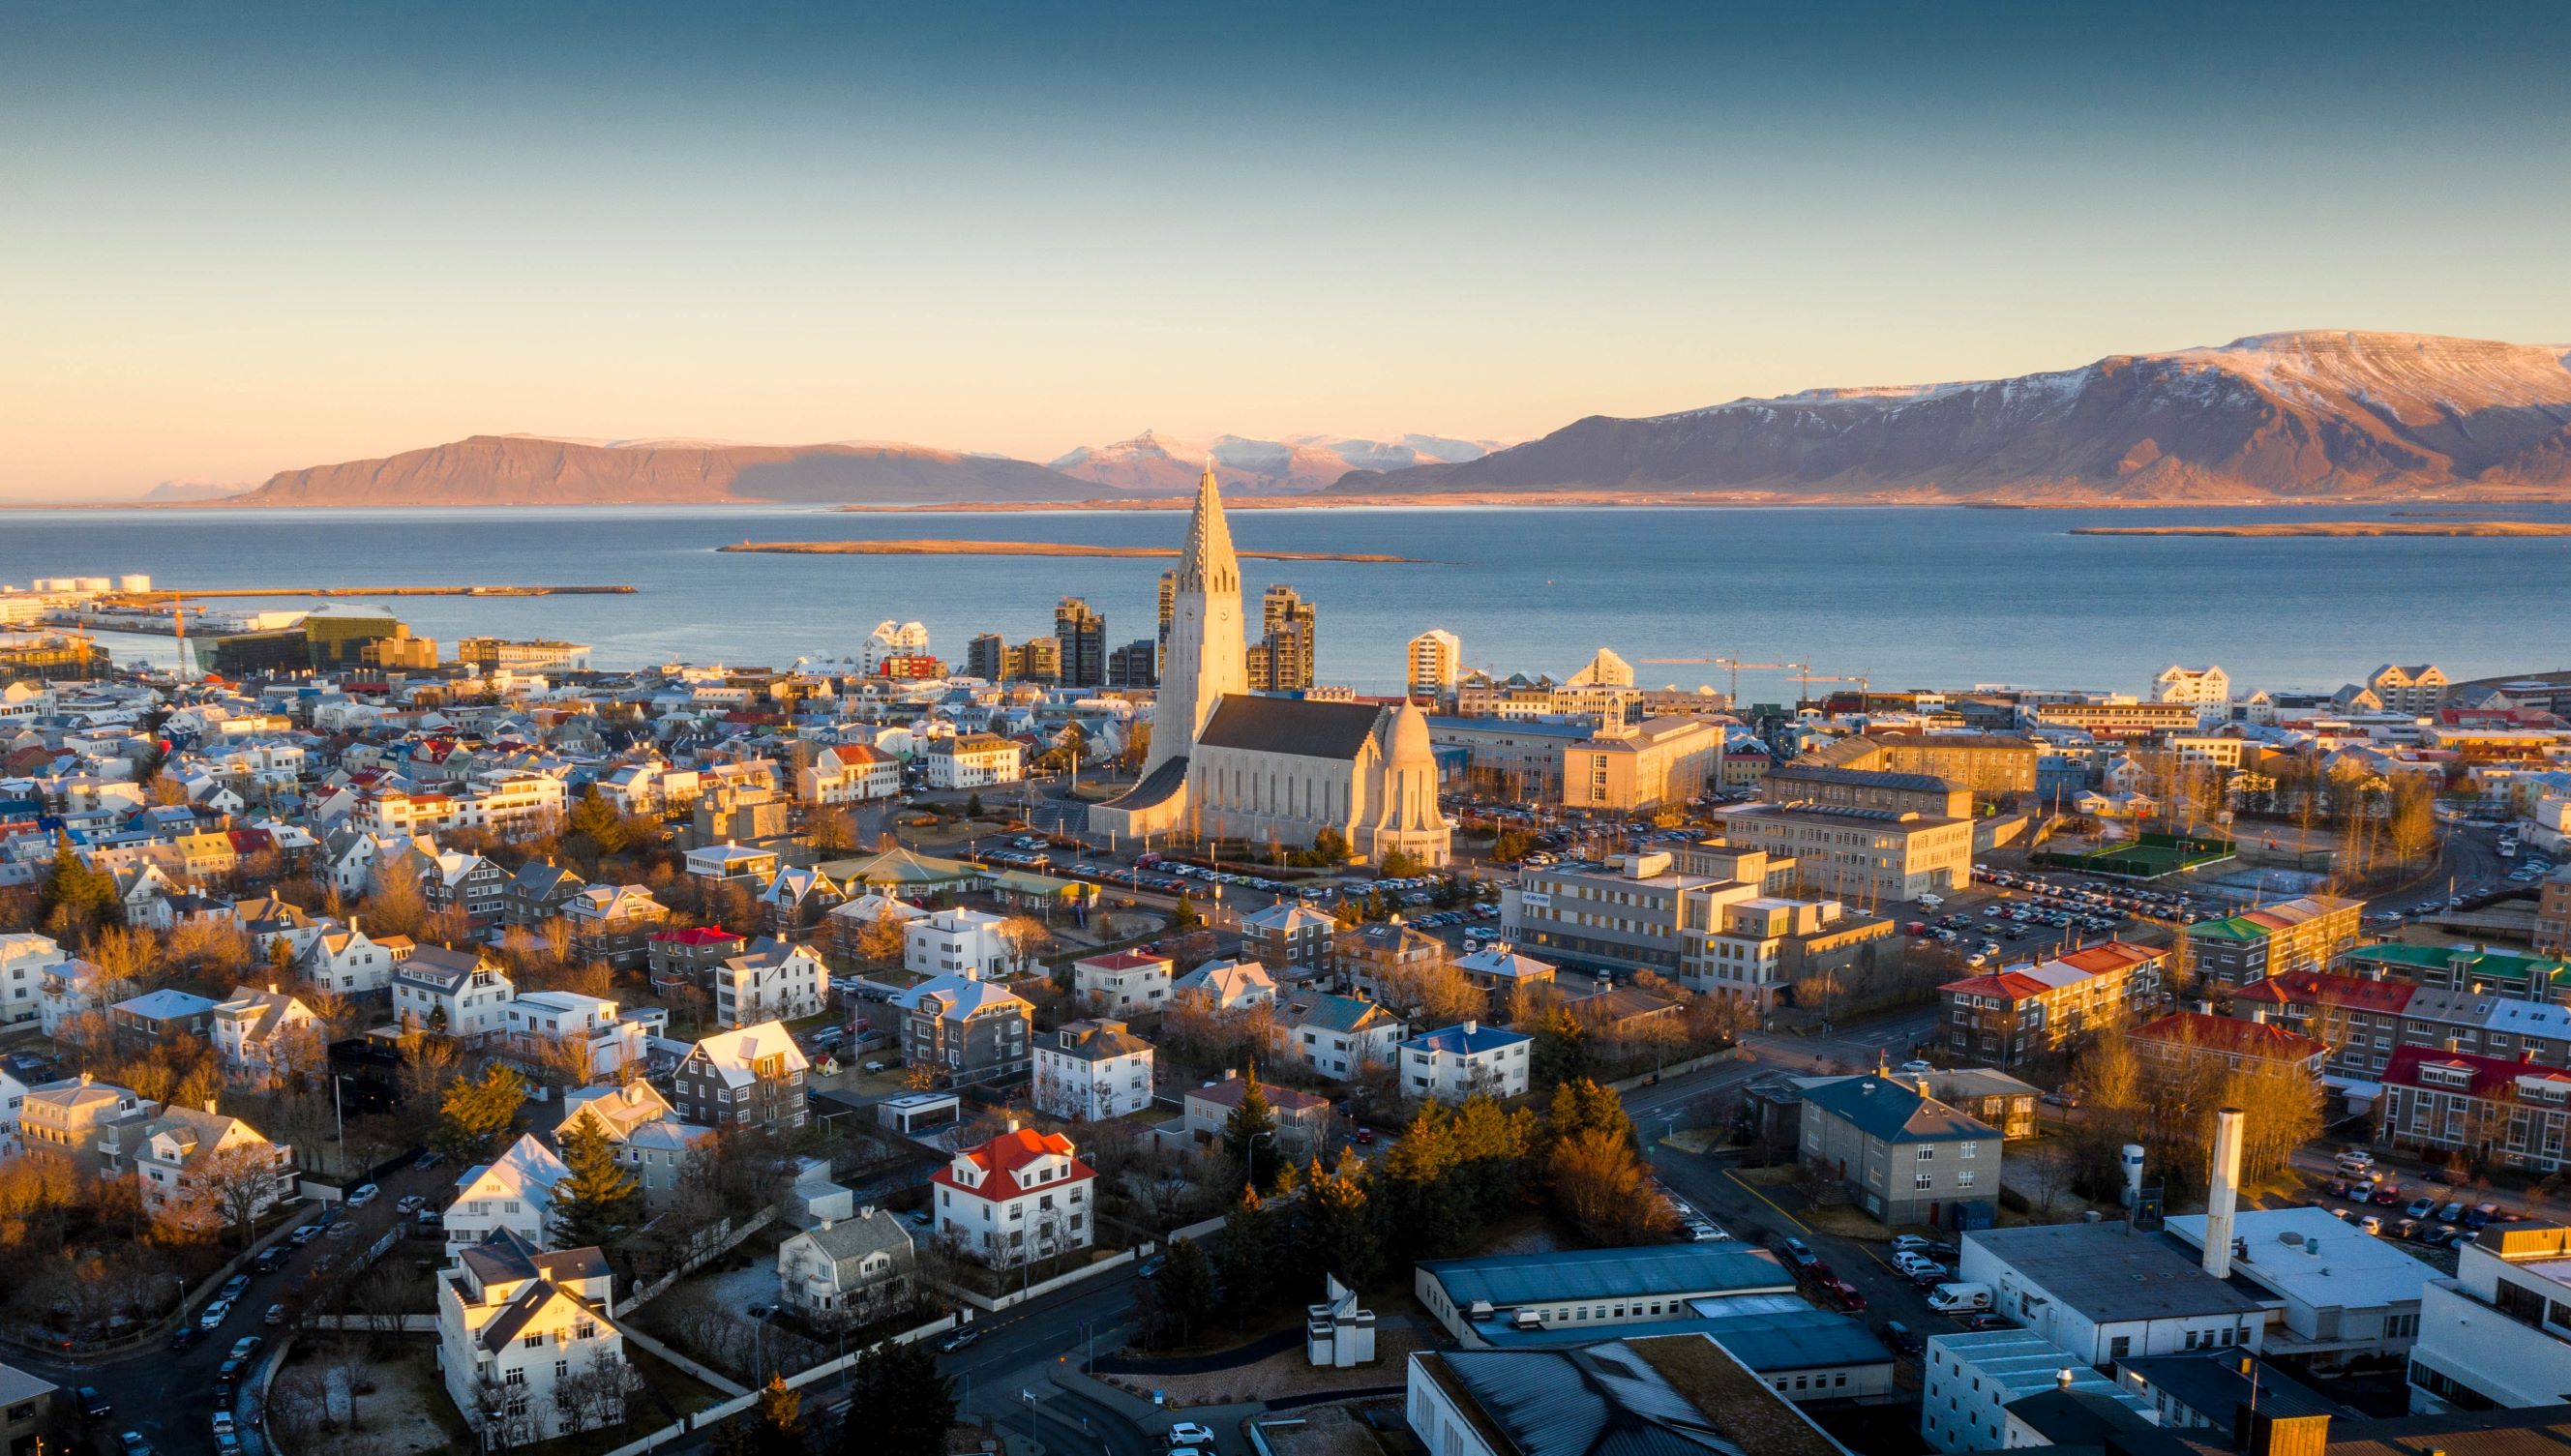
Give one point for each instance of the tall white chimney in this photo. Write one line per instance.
(2226, 1192)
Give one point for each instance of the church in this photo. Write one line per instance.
(1226, 764)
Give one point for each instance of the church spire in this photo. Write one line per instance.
(1207, 563)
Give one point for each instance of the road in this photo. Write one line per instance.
(1019, 1350)
(169, 1395)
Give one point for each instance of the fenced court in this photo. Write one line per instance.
(2148, 857)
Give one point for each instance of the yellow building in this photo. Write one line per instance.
(1663, 760)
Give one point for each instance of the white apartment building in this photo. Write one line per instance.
(528, 1343)
(974, 761)
(1122, 983)
(541, 1022)
(1023, 1194)
(2499, 1332)
(774, 980)
(25, 957)
(1092, 1070)
(1968, 1379)
(455, 993)
(2201, 686)
(2418, 689)
(959, 943)
(1436, 658)
(514, 1191)
(1464, 1061)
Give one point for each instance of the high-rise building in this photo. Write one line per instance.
(1040, 660)
(990, 657)
(1081, 637)
(1436, 660)
(1281, 660)
(1135, 665)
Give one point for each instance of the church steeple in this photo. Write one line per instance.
(1206, 657)
(1207, 563)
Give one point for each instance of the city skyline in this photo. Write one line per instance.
(278, 239)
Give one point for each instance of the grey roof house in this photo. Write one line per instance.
(1901, 1155)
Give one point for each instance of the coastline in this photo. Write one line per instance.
(1035, 548)
(2343, 530)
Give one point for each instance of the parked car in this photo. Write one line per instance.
(2389, 1195)
(2420, 1209)
(1798, 1253)
(246, 1346)
(960, 1339)
(93, 1404)
(1189, 1433)
(276, 1315)
(1912, 1243)
(214, 1317)
(362, 1195)
(1980, 1322)
(1151, 1267)
(1900, 1337)
(2370, 1225)
(305, 1235)
(410, 1203)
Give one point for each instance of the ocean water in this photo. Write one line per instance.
(1903, 596)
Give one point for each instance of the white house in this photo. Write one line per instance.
(773, 980)
(192, 1163)
(457, 993)
(1338, 1035)
(847, 1270)
(1023, 1194)
(1464, 1060)
(1089, 1070)
(959, 943)
(650, 1141)
(540, 1022)
(528, 1343)
(253, 1028)
(848, 774)
(1227, 986)
(346, 960)
(25, 957)
(514, 1191)
(975, 761)
(1122, 983)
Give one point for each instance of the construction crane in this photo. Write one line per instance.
(1862, 682)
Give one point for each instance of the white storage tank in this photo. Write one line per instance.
(134, 582)
(89, 584)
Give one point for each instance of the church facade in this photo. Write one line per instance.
(1226, 764)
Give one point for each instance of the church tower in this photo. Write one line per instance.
(1206, 657)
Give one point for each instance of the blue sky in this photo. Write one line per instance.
(245, 244)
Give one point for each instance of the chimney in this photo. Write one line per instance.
(1013, 1125)
(1471, 1027)
(2225, 1197)
(1924, 1092)
(2062, 1378)
(2259, 1014)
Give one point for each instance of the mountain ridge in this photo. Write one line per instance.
(2280, 417)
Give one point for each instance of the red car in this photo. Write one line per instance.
(2388, 1195)
(1365, 1137)
(1844, 1295)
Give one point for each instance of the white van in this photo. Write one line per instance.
(1961, 1298)
(1931, 901)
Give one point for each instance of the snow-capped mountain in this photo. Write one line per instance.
(1151, 463)
(2279, 416)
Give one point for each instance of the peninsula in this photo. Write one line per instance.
(2341, 529)
(1030, 547)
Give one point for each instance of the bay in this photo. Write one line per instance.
(1924, 596)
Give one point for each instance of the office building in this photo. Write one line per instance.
(1080, 641)
(1436, 660)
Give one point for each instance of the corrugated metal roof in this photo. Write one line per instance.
(1607, 1273)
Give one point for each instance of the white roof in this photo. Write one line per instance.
(2351, 1270)
(732, 1053)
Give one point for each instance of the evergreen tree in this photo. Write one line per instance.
(1561, 1051)
(473, 1114)
(1178, 1302)
(973, 804)
(1246, 1254)
(595, 819)
(1185, 916)
(1491, 1150)
(600, 1199)
(1420, 1211)
(773, 1425)
(1249, 1135)
(898, 1404)
(1335, 1232)
(77, 901)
